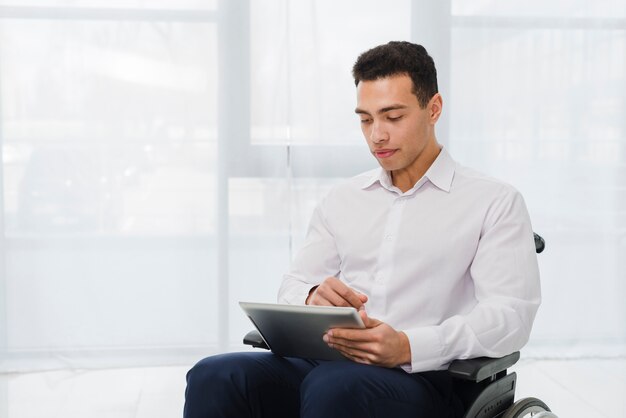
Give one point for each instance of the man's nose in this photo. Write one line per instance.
(379, 133)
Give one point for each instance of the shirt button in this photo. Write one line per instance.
(388, 237)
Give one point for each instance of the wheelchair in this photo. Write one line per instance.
(482, 384)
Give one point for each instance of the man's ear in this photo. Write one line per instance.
(435, 106)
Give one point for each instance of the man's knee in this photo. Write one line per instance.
(244, 383)
(217, 386)
(212, 371)
(329, 383)
(327, 389)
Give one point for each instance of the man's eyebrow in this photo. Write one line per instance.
(380, 111)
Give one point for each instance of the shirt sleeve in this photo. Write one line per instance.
(316, 260)
(507, 292)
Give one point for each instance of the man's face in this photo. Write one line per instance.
(397, 130)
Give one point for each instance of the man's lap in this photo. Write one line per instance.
(252, 383)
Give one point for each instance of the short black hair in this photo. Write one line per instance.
(396, 58)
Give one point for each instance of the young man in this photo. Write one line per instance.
(438, 259)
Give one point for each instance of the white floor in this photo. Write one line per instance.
(572, 388)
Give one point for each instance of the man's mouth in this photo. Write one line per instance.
(384, 153)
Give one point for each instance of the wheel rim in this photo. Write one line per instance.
(529, 407)
(536, 412)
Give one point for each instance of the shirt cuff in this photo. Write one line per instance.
(426, 350)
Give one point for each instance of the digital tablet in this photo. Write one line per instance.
(297, 330)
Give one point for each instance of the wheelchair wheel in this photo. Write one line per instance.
(529, 407)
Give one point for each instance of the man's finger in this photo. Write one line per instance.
(320, 301)
(333, 291)
(354, 347)
(329, 294)
(348, 334)
(356, 354)
(346, 293)
(368, 321)
(363, 297)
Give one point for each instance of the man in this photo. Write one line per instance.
(438, 259)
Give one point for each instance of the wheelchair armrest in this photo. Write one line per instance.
(254, 339)
(481, 368)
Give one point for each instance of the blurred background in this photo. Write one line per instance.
(161, 160)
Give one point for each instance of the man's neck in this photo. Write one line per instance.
(406, 178)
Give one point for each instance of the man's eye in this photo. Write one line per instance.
(395, 118)
(364, 121)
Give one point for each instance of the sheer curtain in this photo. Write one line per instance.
(160, 160)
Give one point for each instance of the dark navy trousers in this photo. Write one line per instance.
(242, 385)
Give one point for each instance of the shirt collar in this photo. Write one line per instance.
(440, 174)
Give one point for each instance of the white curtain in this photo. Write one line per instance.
(160, 160)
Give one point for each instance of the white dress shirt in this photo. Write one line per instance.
(451, 262)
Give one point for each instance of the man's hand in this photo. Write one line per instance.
(334, 292)
(377, 344)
